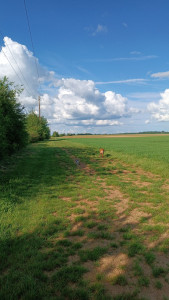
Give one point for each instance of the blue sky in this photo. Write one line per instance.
(118, 46)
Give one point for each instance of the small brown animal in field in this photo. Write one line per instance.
(101, 151)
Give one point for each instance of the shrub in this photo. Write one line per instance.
(13, 135)
(37, 128)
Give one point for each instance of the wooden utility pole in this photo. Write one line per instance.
(39, 106)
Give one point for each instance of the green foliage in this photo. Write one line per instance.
(149, 257)
(93, 254)
(100, 235)
(68, 274)
(138, 271)
(158, 285)
(37, 128)
(13, 134)
(135, 248)
(120, 280)
(143, 281)
(55, 134)
(158, 271)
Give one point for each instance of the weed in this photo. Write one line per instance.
(75, 293)
(99, 276)
(90, 224)
(143, 281)
(100, 235)
(127, 296)
(78, 210)
(149, 257)
(76, 246)
(128, 236)
(78, 232)
(158, 285)
(102, 227)
(125, 229)
(120, 280)
(93, 254)
(135, 248)
(80, 219)
(138, 271)
(66, 275)
(114, 245)
(98, 290)
(64, 243)
(158, 271)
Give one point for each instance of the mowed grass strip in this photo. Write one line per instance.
(58, 220)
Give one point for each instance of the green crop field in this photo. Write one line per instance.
(150, 152)
(74, 225)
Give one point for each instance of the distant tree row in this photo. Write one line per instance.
(56, 134)
(17, 128)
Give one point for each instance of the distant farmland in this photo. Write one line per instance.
(148, 151)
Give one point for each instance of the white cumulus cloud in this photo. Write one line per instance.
(160, 110)
(65, 102)
(19, 64)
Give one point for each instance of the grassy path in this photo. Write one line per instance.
(76, 226)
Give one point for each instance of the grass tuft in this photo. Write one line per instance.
(120, 280)
(93, 254)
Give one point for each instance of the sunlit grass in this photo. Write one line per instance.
(59, 222)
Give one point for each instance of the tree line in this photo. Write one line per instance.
(17, 128)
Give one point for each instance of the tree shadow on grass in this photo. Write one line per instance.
(82, 254)
(91, 262)
(39, 265)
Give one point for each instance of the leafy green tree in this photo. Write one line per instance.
(13, 135)
(44, 131)
(37, 128)
(55, 134)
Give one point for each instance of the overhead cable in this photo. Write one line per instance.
(18, 67)
(15, 71)
(27, 17)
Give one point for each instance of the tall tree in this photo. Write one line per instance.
(37, 128)
(13, 135)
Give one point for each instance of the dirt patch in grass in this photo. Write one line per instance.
(135, 216)
(164, 236)
(80, 164)
(165, 187)
(55, 214)
(73, 259)
(115, 195)
(74, 216)
(90, 244)
(141, 184)
(116, 264)
(112, 265)
(149, 175)
(67, 199)
(153, 293)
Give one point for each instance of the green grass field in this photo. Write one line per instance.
(150, 152)
(74, 225)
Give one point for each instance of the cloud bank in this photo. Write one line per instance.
(65, 101)
(160, 111)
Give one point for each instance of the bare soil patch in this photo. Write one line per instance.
(117, 262)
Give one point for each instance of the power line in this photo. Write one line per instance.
(27, 17)
(14, 70)
(18, 66)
